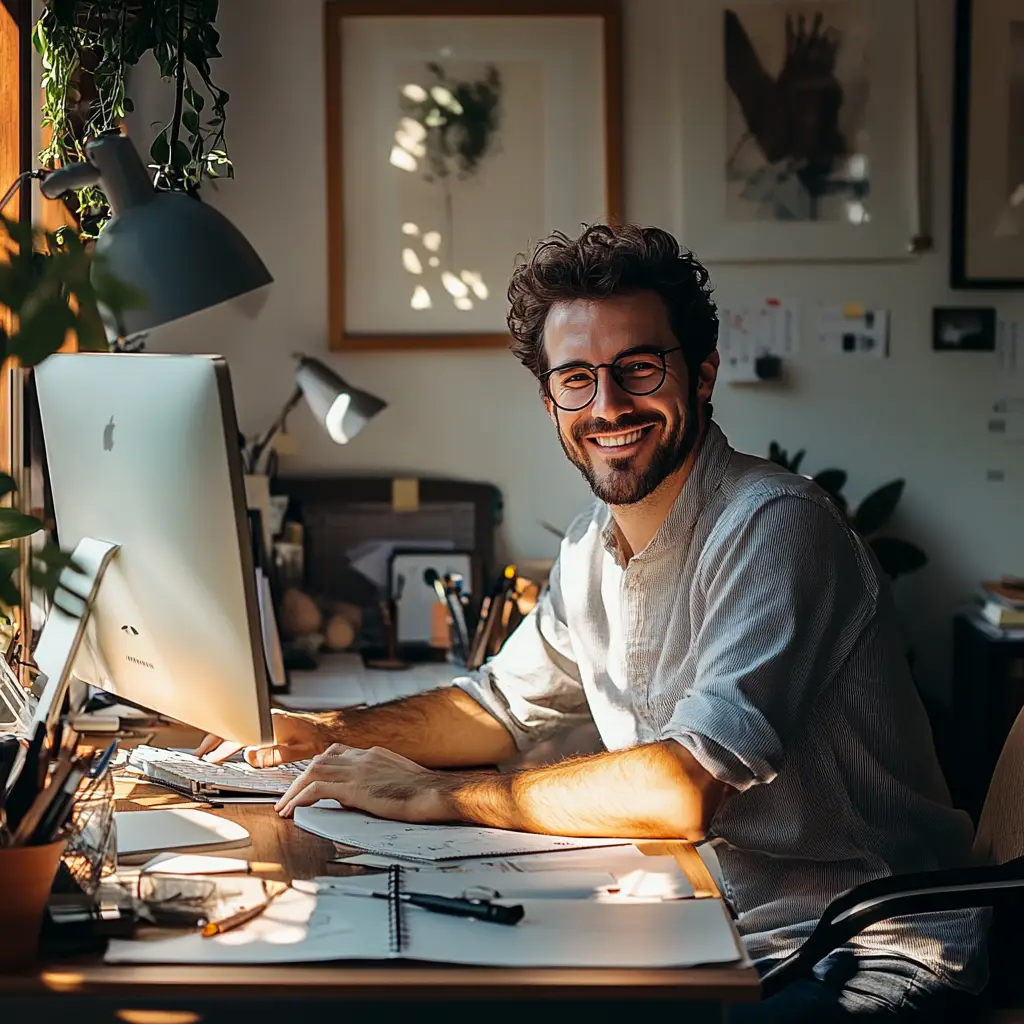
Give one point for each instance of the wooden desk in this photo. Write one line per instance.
(90, 991)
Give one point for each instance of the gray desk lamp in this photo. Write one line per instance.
(341, 409)
(179, 253)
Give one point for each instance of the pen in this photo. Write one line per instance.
(212, 928)
(97, 770)
(481, 910)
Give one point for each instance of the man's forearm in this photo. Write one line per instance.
(654, 791)
(443, 728)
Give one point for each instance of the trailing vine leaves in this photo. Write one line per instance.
(48, 297)
(88, 48)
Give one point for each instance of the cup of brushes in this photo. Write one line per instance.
(38, 784)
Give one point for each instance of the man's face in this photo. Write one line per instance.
(625, 445)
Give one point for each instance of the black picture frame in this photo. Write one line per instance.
(962, 275)
(964, 329)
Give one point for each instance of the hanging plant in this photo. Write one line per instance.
(87, 48)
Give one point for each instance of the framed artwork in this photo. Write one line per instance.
(458, 134)
(964, 329)
(988, 146)
(800, 130)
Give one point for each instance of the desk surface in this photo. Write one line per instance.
(282, 851)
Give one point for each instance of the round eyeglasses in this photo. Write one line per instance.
(574, 387)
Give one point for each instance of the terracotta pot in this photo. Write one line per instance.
(26, 875)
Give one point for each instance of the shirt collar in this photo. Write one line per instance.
(705, 478)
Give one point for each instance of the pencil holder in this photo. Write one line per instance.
(26, 875)
(91, 852)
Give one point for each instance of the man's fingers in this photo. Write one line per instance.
(264, 757)
(221, 750)
(210, 742)
(319, 789)
(314, 773)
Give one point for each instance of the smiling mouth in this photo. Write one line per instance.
(623, 439)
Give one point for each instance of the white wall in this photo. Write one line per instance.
(920, 415)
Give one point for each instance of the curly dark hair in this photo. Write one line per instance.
(607, 260)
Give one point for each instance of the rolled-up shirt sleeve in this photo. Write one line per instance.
(786, 591)
(532, 686)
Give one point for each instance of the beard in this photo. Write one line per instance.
(627, 481)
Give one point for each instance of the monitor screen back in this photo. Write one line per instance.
(142, 451)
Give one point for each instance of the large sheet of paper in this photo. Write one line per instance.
(431, 842)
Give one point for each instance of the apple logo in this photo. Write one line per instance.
(108, 436)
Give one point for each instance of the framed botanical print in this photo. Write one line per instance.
(988, 146)
(458, 134)
(800, 129)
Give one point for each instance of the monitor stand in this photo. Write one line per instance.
(81, 707)
(66, 627)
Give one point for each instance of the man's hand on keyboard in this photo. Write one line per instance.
(297, 737)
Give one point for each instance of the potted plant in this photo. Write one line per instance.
(87, 49)
(49, 291)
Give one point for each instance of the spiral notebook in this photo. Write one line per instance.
(309, 924)
(431, 843)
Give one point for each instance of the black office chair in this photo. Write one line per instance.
(996, 881)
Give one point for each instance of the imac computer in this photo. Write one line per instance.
(143, 454)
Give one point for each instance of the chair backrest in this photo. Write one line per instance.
(1000, 835)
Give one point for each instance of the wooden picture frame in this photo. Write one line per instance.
(549, 77)
(988, 155)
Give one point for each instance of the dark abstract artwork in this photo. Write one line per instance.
(796, 76)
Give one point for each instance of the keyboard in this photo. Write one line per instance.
(198, 778)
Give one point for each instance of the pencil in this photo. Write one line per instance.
(239, 918)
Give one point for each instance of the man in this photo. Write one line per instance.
(724, 627)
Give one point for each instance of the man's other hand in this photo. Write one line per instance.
(377, 781)
(297, 737)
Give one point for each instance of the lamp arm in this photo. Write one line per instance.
(272, 431)
(18, 182)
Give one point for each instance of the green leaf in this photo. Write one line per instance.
(160, 151)
(897, 557)
(15, 524)
(190, 119)
(877, 508)
(180, 155)
(129, 105)
(832, 481)
(8, 485)
(41, 331)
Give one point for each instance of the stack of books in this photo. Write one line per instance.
(1003, 602)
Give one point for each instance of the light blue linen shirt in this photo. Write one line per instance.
(756, 631)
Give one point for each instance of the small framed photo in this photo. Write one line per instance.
(964, 329)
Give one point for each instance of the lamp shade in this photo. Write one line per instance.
(179, 253)
(342, 409)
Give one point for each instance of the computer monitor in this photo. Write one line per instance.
(143, 452)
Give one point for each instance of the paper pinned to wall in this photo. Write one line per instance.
(749, 332)
(1007, 414)
(853, 330)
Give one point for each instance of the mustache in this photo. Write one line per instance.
(627, 421)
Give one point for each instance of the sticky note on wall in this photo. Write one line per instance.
(405, 494)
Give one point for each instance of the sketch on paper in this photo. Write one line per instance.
(449, 127)
(797, 134)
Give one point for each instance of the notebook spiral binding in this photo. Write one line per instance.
(396, 925)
